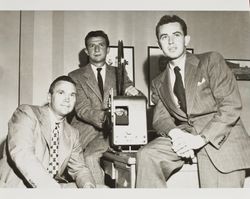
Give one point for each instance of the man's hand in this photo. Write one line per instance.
(131, 91)
(184, 143)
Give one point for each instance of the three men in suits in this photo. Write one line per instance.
(197, 112)
(32, 157)
(92, 100)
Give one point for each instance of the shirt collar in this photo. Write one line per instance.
(53, 119)
(180, 63)
(94, 67)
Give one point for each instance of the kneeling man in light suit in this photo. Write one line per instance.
(41, 144)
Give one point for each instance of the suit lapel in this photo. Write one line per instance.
(64, 143)
(109, 80)
(166, 93)
(44, 120)
(192, 76)
(90, 80)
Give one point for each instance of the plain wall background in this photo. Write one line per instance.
(9, 67)
(38, 46)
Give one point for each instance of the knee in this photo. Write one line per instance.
(92, 158)
(144, 154)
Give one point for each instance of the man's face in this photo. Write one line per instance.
(97, 50)
(63, 98)
(172, 41)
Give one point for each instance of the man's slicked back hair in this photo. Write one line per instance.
(166, 19)
(60, 78)
(97, 33)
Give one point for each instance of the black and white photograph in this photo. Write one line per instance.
(136, 99)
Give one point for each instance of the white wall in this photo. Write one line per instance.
(9, 63)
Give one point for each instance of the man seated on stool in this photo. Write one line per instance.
(197, 110)
(93, 84)
(41, 144)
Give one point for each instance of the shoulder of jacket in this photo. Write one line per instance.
(210, 55)
(159, 76)
(74, 130)
(109, 67)
(27, 107)
(78, 72)
(75, 72)
(29, 111)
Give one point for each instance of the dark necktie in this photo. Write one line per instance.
(179, 90)
(100, 81)
(53, 158)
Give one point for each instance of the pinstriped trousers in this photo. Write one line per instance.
(156, 162)
(211, 177)
(92, 155)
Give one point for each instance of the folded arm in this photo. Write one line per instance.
(226, 94)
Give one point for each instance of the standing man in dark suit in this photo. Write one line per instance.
(93, 83)
(197, 112)
(41, 144)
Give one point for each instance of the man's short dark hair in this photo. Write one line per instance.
(166, 19)
(60, 78)
(97, 33)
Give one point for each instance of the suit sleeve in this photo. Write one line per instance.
(21, 146)
(226, 94)
(84, 109)
(127, 81)
(77, 167)
(162, 120)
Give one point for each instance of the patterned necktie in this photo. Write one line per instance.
(100, 81)
(179, 89)
(53, 159)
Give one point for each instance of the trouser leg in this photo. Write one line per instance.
(93, 154)
(155, 163)
(210, 177)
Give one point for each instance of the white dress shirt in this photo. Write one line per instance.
(54, 120)
(103, 72)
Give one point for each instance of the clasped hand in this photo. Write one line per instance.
(184, 143)
(131, 91)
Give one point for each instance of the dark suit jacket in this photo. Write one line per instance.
(89, 104)
(213, 109)
(26, 156)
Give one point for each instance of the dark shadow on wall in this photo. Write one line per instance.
(83, 58)
(83, 61)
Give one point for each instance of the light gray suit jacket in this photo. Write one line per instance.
(89, 104)
(26, 156)
(213, 109)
